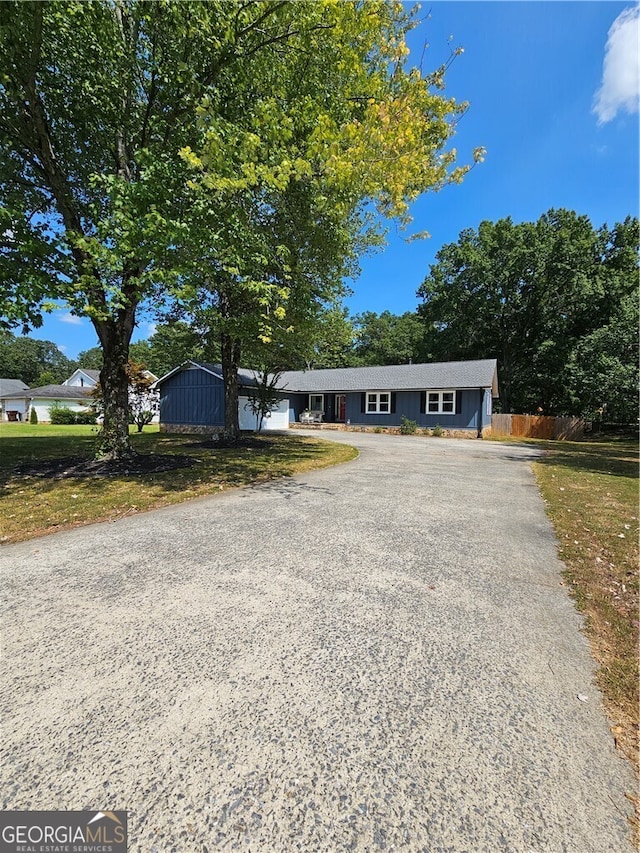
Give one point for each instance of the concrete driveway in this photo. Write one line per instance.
(378, 656)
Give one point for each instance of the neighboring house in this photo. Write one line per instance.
(12, 408)
(41, 399)
(85, 378)
(455, 395)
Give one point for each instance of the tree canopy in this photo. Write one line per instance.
(326, 122)
(33, 361)
(157, 151)
(532, 295)
(388, 338)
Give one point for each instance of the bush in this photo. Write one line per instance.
(437, 431)
(408, 427)
(62, 415)
(33, 416)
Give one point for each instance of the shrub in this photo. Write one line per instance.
(67, 417)
(33, 416)
(142, 417)
(408, 427)
(437, 431)
(61, 415)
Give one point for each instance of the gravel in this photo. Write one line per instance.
(377, 656)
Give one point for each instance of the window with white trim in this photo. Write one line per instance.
(378, 402)
(316, 402)
(440, 403)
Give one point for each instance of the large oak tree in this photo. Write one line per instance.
(146, 145)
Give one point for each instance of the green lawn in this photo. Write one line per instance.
(591, 493)
(32, 506)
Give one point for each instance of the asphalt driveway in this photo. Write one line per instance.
(378, 656)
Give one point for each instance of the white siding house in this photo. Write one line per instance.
(13, 407)
(83, 378)
(86, 378)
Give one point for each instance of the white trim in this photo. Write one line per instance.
(437, 399)
(337, 407)
(90, 383)
(377, 403)
(314, 408)
(183, 365)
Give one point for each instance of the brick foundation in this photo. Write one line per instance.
(395, 430)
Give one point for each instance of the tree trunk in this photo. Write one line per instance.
(230, 356)
(114, 337)
(230, 364)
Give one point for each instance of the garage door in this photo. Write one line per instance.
(278, 419)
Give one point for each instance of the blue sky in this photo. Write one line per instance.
(531, 71)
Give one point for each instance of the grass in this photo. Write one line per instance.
(591, 492)
(33, 506)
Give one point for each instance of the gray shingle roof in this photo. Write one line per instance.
(12, 386)
(396, 377)
(53, 392)
(246, 377)
(92, 374)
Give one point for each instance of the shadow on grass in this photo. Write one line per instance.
(618, 459)
(19, 451)
(266, 458)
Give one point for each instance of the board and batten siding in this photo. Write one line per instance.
(192, 396)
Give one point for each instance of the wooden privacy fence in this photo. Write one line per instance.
(537, 426)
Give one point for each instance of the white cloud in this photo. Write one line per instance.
(620, 87)
(152, 328)
(72, 319)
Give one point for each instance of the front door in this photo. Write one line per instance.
(341, 407)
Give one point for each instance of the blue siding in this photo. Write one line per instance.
(473, 414)
(408, 403)
(297, 404)
(192, 396)
(487, 407)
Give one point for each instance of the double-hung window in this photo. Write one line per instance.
(440, 402)
(316, 402)
(378, 402)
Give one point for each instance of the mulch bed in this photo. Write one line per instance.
(243, 441)
(74, 466)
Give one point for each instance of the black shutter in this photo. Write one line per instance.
(458, 402)
(423, 402)
(363, 402)
(393, 402)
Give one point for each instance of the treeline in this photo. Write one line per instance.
(555, 301)
(36, 363)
